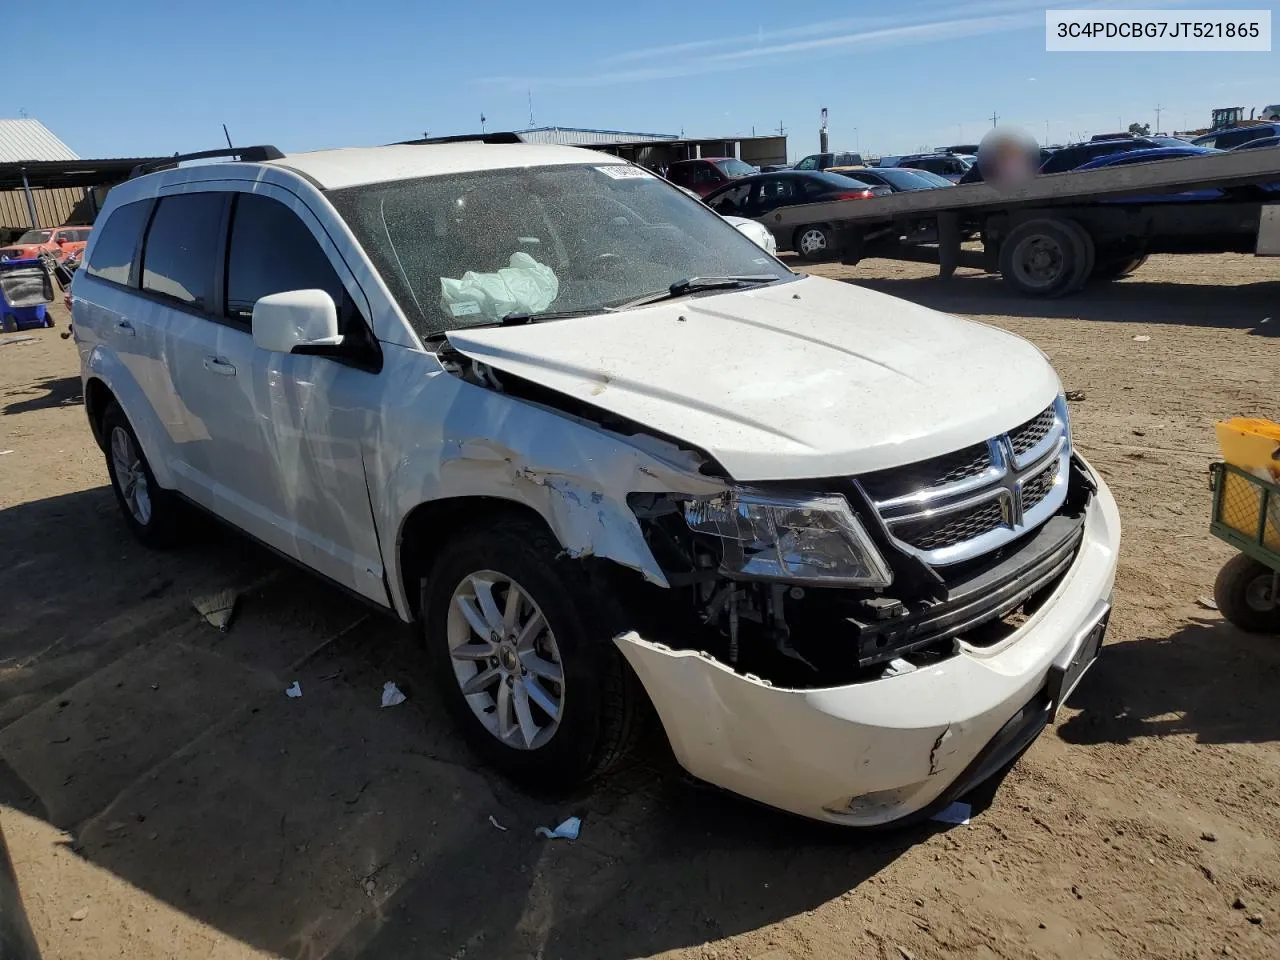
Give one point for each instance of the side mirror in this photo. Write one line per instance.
(295, 318)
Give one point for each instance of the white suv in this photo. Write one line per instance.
(605, 450)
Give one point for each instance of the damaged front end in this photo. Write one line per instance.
(815, 591)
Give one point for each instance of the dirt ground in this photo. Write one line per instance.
(162, 797)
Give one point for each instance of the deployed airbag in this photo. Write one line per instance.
(524, 286)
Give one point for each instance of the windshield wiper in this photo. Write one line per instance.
(516, 319)
(694, 284)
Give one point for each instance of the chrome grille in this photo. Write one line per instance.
(1025, 438)
(956, 507)
(950, 529)
(938, 472)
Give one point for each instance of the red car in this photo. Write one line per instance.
(60, 241)
(710, 173)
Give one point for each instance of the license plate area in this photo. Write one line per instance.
(1067, 672)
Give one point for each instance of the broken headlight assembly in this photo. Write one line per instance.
(816, 540)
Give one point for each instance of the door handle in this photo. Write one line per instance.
(125, 327)
(219, 366)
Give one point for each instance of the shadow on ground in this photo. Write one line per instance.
(54, 392)
(327, 825)
(1251, 307)
(1208, 679)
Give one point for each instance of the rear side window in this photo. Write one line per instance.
(273, 251)
(181, 247)
(117, 242)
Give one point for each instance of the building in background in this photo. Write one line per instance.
(43, 183)
(653, 150)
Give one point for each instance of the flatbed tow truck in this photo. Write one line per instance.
(1051, 234)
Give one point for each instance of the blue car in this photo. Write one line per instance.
(1152, 154)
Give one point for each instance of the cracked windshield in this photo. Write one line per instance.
(470, 249)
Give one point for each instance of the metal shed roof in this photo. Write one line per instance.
(27, 139)
(585, 137)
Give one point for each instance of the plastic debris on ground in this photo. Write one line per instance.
(1206, 603)
(3, 452)
(568, 830)
(391, 695)
(294, 691)
(217, 608)
(1141, 338)
(1075, 395)
(7, 341)
(496, 823)
(957, 813)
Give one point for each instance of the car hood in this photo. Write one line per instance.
(19, 253)
(807, 379)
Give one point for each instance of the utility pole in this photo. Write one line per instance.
(482, 123)
(1046, 133)
(530, 93)
(995, 118)
(1159, 108)
(857, 144)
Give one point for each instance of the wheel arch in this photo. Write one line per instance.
(97, 397)
(429, 526)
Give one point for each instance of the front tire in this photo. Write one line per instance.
(152, 514)
(1245, 594)
(521, 647)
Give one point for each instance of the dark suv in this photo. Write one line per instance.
(1068, 158)
(1233, 137)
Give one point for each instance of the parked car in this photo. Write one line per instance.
(1149, 156)
(1233, 137)
(753, 230)
(821, 161)
(1073, 156)
(597, 448)
(703, 176)
(756, 196)
(886, 161)
(1259, 144)
(947, 165)
(897, 179)
(58, 241)
(1271, 112)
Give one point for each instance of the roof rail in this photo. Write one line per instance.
(468, 138)
(247, 154)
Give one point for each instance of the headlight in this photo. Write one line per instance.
(811, 539)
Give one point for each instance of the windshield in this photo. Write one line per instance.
(468, 249)
(735, 168)
(36, 236)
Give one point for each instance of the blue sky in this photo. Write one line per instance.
(146, 77)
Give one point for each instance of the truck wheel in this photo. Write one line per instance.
(1040, 257)
(1086, 261)
(1246, 596)
(1118, 269)
(814, 242)
(521, 646)
(152, 514)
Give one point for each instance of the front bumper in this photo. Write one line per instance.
(873, 753)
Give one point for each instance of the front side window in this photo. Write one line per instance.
(117, 242)
(730, 199)
(808, 163)
(467, 249)
(181, 245)
(272, 251)
(36, 236)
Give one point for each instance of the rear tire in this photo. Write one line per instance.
(1039, 258)
(1087, 257)
(1118, 269)
(596, 699)
(1245, 596)
(153, 515)
(814, 242)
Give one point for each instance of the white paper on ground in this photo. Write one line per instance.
(294, 691)
(957, 813)
(391, 695)
(568, 830)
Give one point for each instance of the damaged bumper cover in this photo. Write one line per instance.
(875, 752)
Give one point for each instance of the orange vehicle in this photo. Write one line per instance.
(60, 241)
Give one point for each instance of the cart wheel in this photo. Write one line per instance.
(1245, 593)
